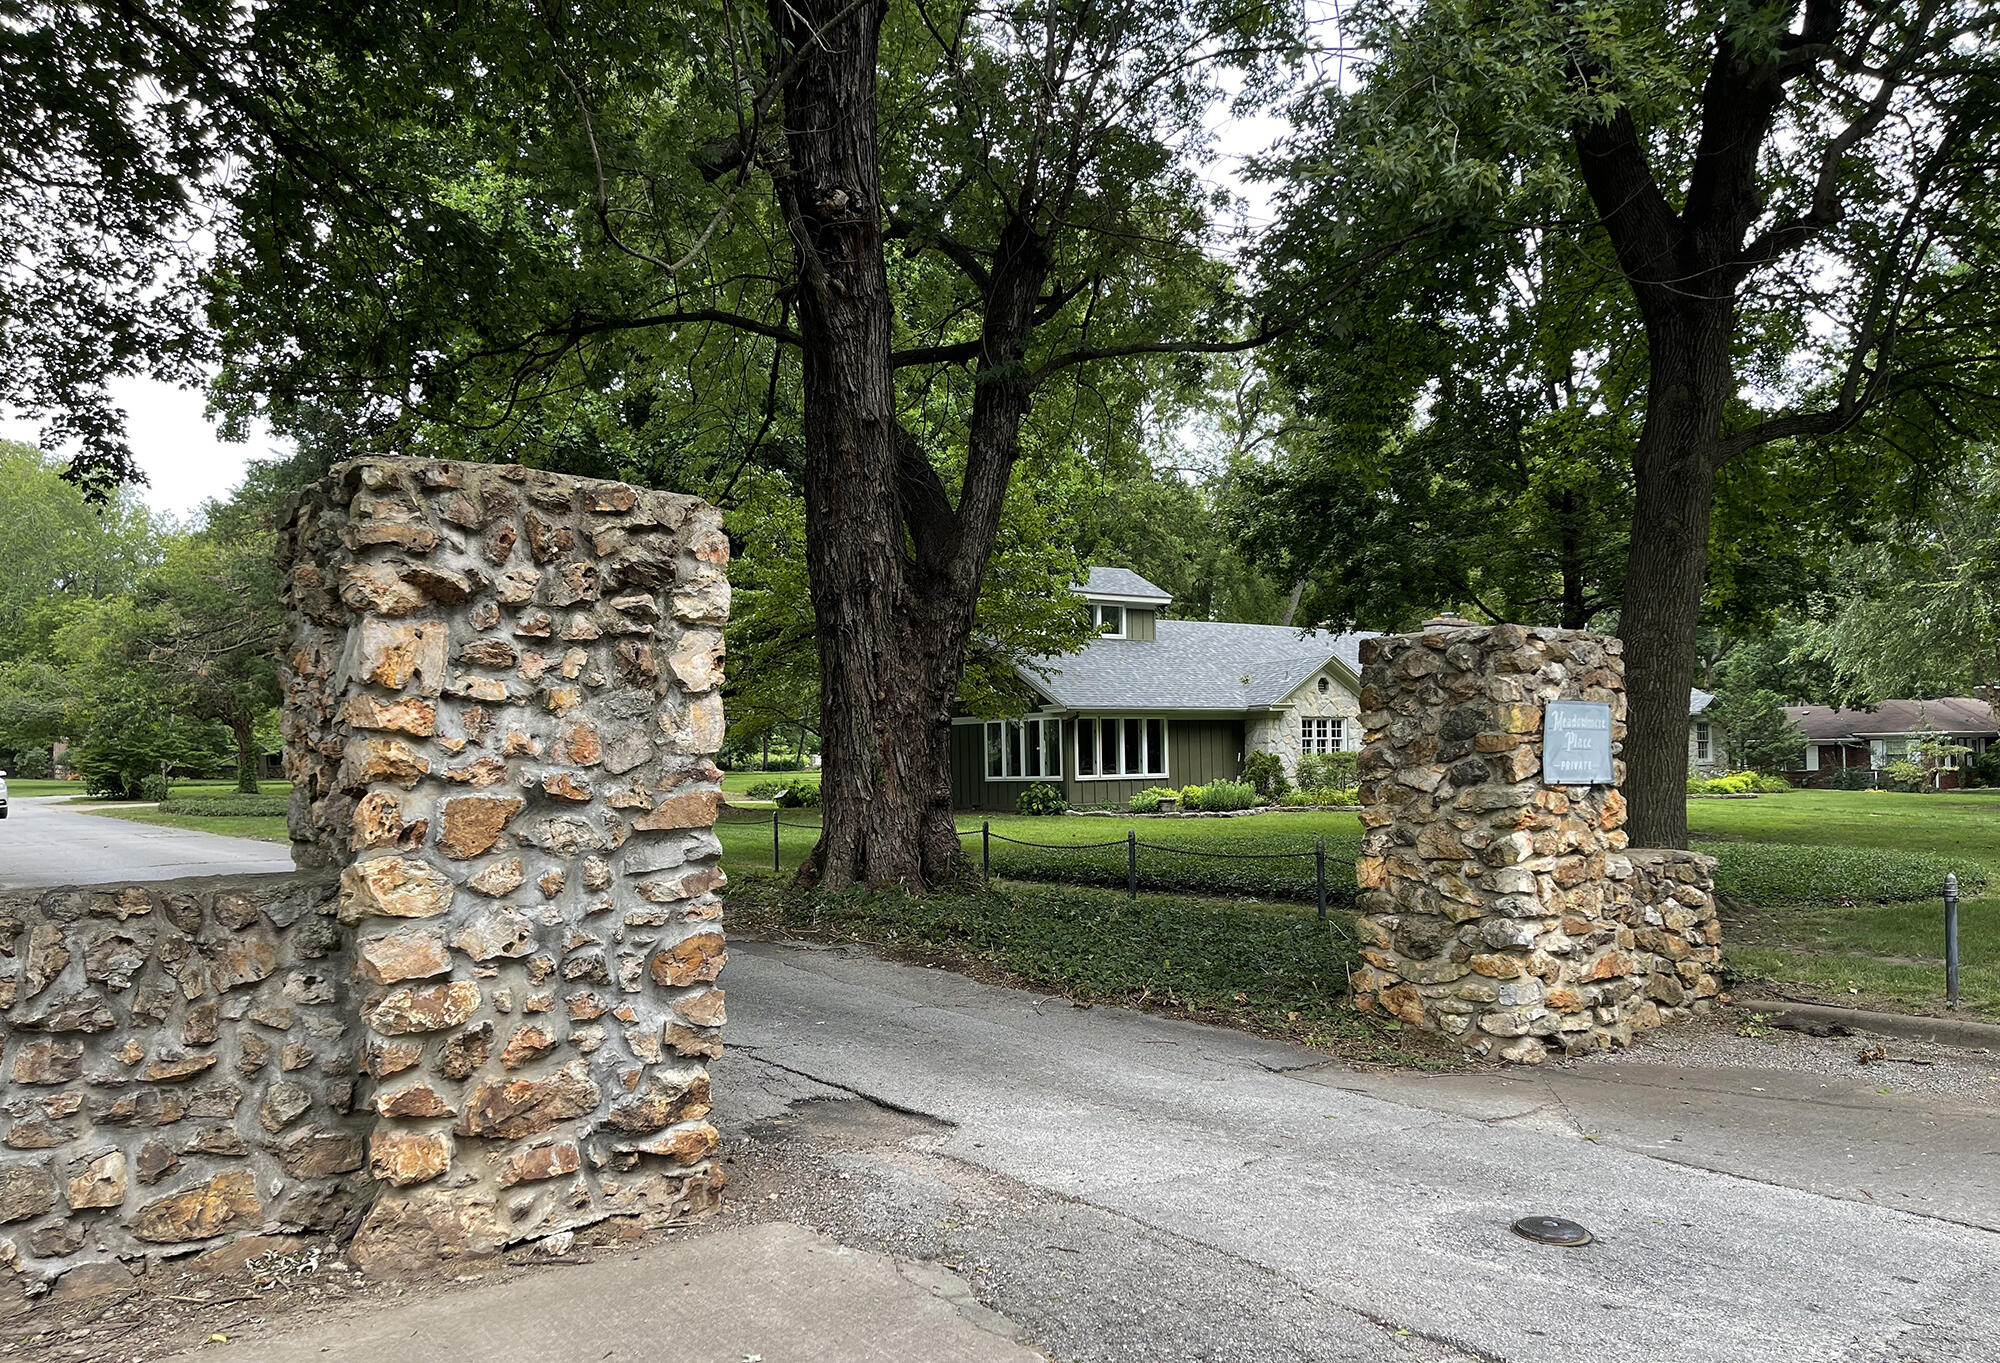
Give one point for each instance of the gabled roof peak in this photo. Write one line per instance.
(1122, 584)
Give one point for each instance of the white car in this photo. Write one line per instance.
(3, 794)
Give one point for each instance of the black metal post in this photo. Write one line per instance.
(1319, 876)
(985, 850)
(1951, 940)
(776, 865)
(1131, 864)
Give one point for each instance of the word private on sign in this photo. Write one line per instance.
(1576, 743)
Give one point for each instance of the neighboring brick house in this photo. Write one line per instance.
(1838, 740)
(1153, 702)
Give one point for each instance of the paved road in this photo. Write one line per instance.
(43, 842)
(1369, 1213)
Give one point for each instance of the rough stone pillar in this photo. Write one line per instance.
(1498, 909)
(502, 692)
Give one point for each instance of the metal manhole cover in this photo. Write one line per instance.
(1551, 1230)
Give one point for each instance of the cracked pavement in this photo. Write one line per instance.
(1123, 1186)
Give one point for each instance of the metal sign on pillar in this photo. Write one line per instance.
(1576, 743)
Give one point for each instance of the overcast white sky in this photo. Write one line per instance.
(176, 445)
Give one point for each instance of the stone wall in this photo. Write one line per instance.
(1668, 904)
(1277, 731)
(181, 1064)
(502, 693)
(1499, 910)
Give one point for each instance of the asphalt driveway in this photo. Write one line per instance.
(1130, 1187)
(45, 842)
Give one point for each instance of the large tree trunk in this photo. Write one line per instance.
(1689, 381)
(892, 629)
(246, 754)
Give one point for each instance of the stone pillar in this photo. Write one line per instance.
(1500, 910)
(502, 693)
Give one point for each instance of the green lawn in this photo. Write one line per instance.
(1260, 856)
(1856, 951)
(1269, 968)
(265, 828)
(181, 790)
(736, 784)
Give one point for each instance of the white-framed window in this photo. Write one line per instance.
(1109, 621)
(1115, 747)
(1023, 749)
(1322, 733)
(1812, 757)
(1704, 743)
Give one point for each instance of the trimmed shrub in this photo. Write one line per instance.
(33, 765)
(1905, 776)
(1266, 771)
(1148, 800)
(1322, 795)
(1856, 778)
(155, 788)
(1219, 796)
(1040, 798)
(1737, 783)
(1328, 770)
(798, 795)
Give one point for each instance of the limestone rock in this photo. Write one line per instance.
(48, 1062)
(526, 1107)
(426, 1008)
(97, 1180)
(404, 1158)
(394, 654)
(474, 823)
(695, 809)
(693, 960)
(540, 1162)
(414, 1100)
(499, 878)
(409, 955)
(25, 1190)
(285, 1103)
(497, 932)
(224, 1203)
(667, 1097)
(394, 887)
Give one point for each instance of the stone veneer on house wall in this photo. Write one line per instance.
(1277, 731)
(503, 687)
(1499, 910)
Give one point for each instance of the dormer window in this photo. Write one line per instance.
(1109, 620)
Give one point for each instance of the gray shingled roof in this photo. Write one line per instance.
(1122, 582)
(1951, 715)
(1196, 665)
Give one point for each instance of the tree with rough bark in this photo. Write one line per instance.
(856, 243)
(1794, 199)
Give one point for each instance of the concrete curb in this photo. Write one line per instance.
(1941, 1031)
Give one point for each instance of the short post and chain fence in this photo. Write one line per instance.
(1130, 842)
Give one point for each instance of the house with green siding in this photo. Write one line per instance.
(1157, 702)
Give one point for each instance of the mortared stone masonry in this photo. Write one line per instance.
(481, 1012)
(1498, 909)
